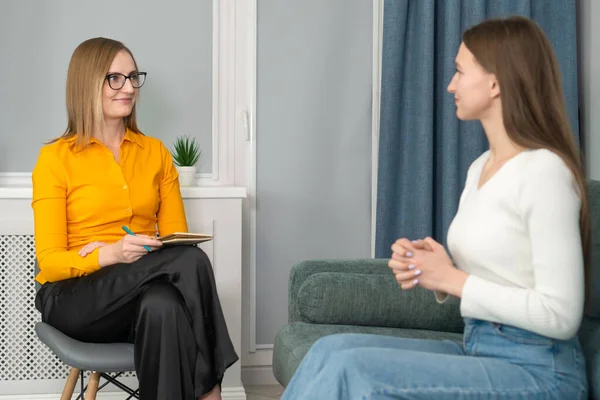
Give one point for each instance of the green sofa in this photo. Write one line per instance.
(361, 296)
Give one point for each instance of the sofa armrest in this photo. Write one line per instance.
(589, 336)
(364, 292)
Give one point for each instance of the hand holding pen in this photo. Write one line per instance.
(129, 232)
(130, 248)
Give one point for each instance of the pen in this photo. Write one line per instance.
(126, 229)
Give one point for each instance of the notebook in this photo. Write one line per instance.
(184, 238)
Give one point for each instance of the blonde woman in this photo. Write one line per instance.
(100, 284)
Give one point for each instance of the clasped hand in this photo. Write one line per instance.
(421, 262)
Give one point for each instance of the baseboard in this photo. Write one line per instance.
(257, 367)
(259, 375)
(259, 358)
(235, 393)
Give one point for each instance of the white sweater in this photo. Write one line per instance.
(518, 238)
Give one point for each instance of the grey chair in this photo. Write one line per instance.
(101, 359)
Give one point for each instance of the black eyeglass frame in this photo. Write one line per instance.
(144, 74)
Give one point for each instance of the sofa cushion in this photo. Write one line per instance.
(294, 340)
(373, 300)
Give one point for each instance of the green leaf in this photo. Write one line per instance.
(185, 151)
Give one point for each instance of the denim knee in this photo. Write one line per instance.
(329, 344)
(332, 342)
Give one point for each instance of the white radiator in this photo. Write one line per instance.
(23, 356)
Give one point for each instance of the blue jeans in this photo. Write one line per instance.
(495, 362)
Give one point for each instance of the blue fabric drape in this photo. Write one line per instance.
(424, 150)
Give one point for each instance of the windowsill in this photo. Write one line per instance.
(188, 192)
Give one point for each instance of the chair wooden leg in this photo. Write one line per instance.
(70, 385)
(92, 388)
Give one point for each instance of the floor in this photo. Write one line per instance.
(264, 392)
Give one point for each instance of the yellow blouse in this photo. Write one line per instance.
(84, 195)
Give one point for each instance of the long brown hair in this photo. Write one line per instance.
(89, 65)
(519, 54)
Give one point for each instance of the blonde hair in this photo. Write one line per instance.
(88, 67)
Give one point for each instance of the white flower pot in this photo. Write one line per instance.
(186, 175)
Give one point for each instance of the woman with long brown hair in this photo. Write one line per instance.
(99, 284)
(518, 243)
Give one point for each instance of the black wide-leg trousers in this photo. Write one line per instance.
(166, 303)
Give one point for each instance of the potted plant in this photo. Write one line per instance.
(186, 153)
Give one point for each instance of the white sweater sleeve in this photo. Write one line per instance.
(549, 206)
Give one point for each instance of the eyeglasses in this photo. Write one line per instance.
(116, 81)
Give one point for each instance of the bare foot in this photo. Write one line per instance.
(214, 394)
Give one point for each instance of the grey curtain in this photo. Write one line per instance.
(424, 150)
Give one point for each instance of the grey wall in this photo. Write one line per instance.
(589, 82)
(313, 142)
(172, 41)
